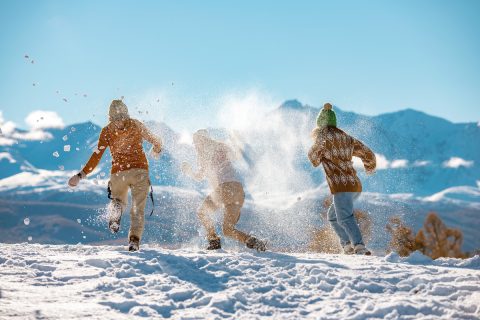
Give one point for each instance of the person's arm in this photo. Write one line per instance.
(97, 153)
(366, 155)
(315, 153)
(147, 135)
(93, 161)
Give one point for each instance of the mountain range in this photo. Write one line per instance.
(424, 163)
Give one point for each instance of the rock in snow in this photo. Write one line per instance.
(107, 282)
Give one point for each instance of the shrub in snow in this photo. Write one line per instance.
(325, 240)
(403, 238)
(434, 240)
(437, 240)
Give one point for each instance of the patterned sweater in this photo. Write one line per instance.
(334, 149)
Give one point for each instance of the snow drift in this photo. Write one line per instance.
(59, 282)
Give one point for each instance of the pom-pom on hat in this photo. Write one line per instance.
(326, 117)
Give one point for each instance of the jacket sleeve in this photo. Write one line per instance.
(363, 152)
(315, 153)
(150, 137)
(98, 153)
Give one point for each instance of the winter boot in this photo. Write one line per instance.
(348, 249)
(254, 243)
(134, 244)
(115, 215)
(360, 249)
(214, 244)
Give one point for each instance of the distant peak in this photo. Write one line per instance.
(292, 104)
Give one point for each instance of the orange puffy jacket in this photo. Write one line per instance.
(124, 138)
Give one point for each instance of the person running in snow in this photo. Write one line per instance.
(214, 163)
(334, 148)
(124, 136)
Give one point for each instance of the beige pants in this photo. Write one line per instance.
(229, 195)
(137, 181)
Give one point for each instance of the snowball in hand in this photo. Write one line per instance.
(26, 221)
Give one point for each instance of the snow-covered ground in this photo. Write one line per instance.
(107, 282)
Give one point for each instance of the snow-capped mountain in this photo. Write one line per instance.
(425, 164)
(418, 153)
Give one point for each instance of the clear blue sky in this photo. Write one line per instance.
(366, 56)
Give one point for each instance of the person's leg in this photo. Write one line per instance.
(332, 218)
(232, 215)
(119, 194)
(233, 197)
(343, 202)
(205, 212)
(139, 184)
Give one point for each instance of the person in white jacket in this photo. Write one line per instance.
(214, 162)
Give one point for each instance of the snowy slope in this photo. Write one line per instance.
(58, 214)
(106, 282)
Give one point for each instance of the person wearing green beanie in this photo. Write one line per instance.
(334, 149)
(326, 117)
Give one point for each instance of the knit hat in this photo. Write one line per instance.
(118, 111)
(326, 117)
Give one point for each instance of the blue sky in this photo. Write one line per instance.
(370, 57)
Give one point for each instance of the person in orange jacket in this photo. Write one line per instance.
(124, 136)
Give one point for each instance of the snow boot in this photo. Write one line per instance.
(115, 215)
(360, 249)
(214, 244)
(348, 249)
(254, 243)
(134, 244)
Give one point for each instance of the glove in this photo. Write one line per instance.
(155, 153)
(73, 182)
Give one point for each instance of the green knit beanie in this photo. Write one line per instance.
(326, 117)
